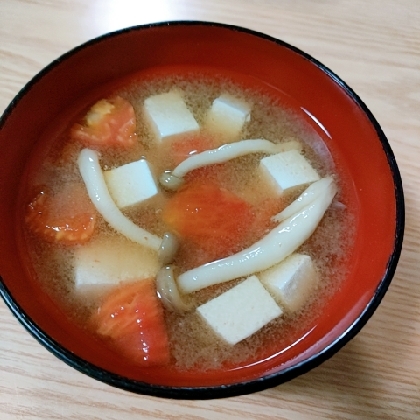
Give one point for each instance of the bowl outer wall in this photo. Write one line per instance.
(354, 135)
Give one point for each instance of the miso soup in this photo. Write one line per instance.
(94, 234)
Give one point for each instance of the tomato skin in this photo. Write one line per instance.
(67, 217)
(209, 217)
(108, 123)
(132, 318)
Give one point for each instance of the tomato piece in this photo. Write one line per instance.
(188, 145)
(67, 217)
(109, 123)
(133, 319)
(209, 216)
(264, 212)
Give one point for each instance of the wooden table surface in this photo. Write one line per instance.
(375, 47)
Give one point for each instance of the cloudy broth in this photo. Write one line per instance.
(192, 343)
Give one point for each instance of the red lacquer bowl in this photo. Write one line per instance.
(355, 139)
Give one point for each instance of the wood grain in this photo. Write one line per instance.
(375, 47)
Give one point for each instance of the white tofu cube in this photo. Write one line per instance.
(131, 184)
(241, 311)
(291, 282)
(288, 170)
(226, 117)
(108, 261)
(167, 116)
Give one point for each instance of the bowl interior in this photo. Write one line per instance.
(358, 147)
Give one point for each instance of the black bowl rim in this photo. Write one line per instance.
(269, 380)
